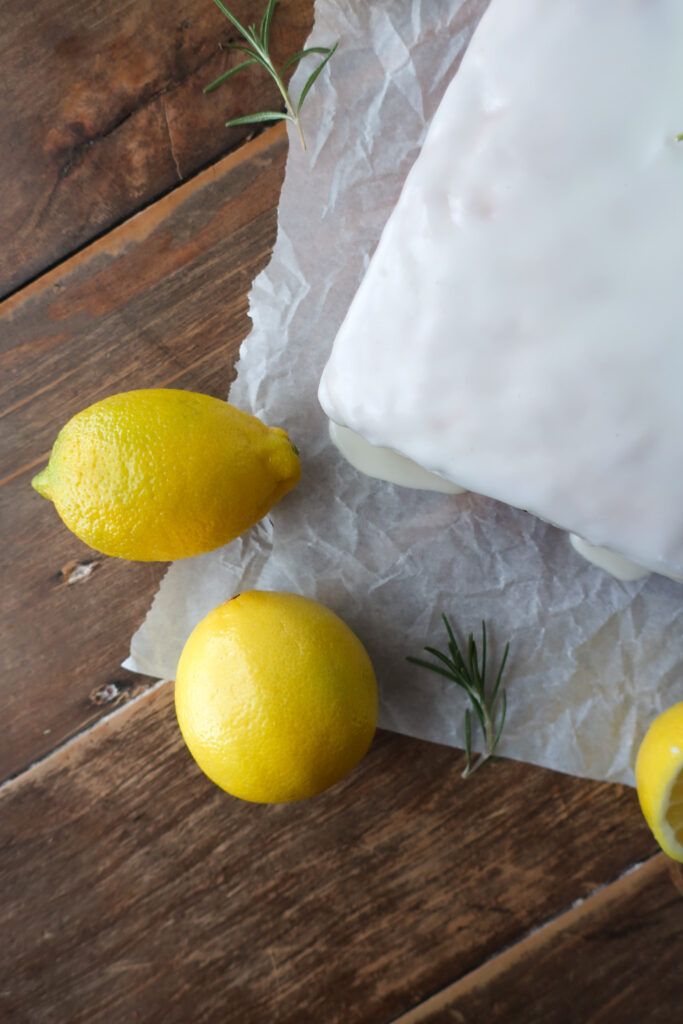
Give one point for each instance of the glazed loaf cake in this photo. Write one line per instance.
(519, 330)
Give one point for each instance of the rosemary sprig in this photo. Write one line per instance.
(257, 51)
(470, 674)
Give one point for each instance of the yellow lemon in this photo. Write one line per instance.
(276, 698)
(659, 779)
(160, 474)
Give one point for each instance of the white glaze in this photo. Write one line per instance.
(520, 327)
(617, 565)
(385, 464)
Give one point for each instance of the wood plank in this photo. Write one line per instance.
(161, 300)
(614, 958)
(134, 889)
(104, 112)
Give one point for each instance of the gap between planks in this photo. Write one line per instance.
(140, 225)
(166, 382)
(83, 735)
(537, 939)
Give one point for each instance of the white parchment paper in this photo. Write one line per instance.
(592, 659)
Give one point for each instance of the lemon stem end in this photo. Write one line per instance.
(41, 482)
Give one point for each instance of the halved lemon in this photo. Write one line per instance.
(659, 780)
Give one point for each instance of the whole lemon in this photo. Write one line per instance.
(160, 474)
(276, 698)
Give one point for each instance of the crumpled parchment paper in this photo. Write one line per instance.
(592, 659)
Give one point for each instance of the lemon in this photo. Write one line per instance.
(275, 696)
(659, 780)
(160, 474)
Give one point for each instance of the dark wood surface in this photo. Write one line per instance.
(136, 882)
(613, 959)
(130, 887)
(103, 112)
(159, 301)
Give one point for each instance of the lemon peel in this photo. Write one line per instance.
(659, 780)
(160, 474)
(275, 697)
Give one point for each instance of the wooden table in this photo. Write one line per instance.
(133, 224)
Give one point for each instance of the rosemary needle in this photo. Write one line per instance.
(256, 49)
(469, 674)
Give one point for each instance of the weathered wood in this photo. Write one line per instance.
(613, 959)
(134, 889)
(104, 112)
(161, 300)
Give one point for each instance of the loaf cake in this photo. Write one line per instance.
(519, 329)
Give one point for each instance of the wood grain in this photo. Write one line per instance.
(104, 112)
(162, 300)
(134, 889)
(130, 887)
(613, 959)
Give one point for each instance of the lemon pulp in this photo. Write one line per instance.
(659, 780)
